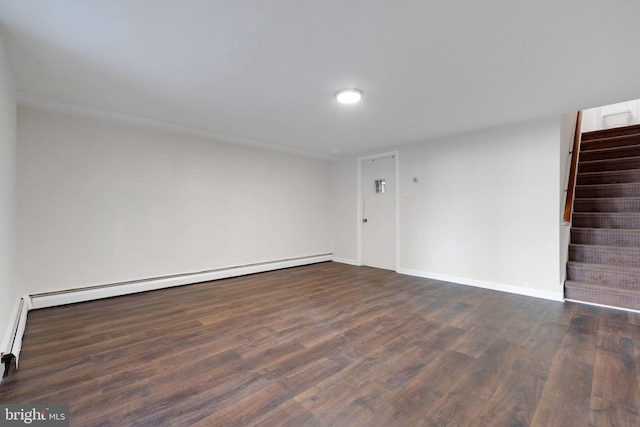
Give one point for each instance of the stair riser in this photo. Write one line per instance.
(607, 256)
(609, 165)
(604, 298)
(623, 280)
(619, 190)
(607, 205)
(624, 238)
(605, 220)
(624, 141)
(615, 177)
(611, 153)
(609, 133)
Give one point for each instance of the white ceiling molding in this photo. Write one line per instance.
(30, 100)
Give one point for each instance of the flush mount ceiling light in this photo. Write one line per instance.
(349, 96)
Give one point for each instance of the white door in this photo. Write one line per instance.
(379, 212)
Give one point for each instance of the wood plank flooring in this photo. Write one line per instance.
(332, 345)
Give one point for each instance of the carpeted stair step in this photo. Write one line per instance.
(609, 177)
(605, 220)
(608, 133)
(609, 165)
(607, 275)
(599, 294)
(615, 141)
(606, 237)
(606, 255)
(610, 153)
(607, 204)
(631, 189)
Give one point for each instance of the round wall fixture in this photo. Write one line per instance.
(349, 96)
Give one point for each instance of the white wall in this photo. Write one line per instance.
(8, 290)
(345, 206)
(102, 202)
(485, 210)
(486, 206)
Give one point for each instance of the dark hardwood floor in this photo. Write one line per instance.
(332, 345)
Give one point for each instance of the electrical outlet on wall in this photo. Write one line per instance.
(465, 252)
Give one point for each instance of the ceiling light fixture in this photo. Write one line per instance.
(349, 96)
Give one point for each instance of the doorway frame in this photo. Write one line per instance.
(361, 160)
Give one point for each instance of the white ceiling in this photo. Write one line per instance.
(266, 70)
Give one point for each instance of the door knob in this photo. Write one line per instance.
(365, 220)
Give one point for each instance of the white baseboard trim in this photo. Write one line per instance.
(12, 341)
(603, 305)
(10, 333)
(117, 289)
(530, 292)
(346, 261)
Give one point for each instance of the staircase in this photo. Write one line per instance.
(604, 254)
